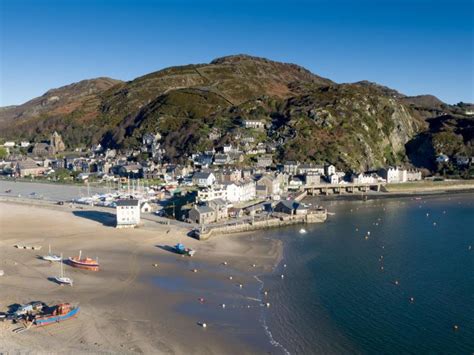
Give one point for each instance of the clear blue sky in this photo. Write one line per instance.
(414, 46)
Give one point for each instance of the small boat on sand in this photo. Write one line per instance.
(61, 279)
(180, 249)
(56, 314)
(51, 256)
(84, 263)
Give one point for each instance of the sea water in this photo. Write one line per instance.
(382, 276)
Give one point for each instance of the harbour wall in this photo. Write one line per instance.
(273, 222)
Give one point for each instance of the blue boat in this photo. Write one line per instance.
(56, 314)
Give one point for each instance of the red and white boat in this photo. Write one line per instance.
(84, 263)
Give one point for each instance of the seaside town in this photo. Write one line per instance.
(212, 191)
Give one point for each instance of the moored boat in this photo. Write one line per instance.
(84, 263)
(56, 314)
(180, 249)
(51, 256)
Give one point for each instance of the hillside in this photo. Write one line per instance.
(360, 126)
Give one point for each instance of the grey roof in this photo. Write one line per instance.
(128, 202)
(201, 175)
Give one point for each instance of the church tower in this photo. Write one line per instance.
(57, 142)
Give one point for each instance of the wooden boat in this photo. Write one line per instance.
(84, 263)
(56, 314)
(61, 278)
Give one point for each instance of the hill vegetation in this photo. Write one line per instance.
(358, 126)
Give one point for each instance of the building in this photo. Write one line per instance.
(222, 159)
(330, 170)
(212, 193)
(310, 168)
(220, 208)
(57, 142)
(413, 175)
(291, 167)
(204, 179)
(271, 183)
(43, 149)
(312, 178)
(201, 214)
(363, 178)
(265, 161)
(241, 191)
(394, 175)
(333, 179)
(28, 167)
(290, 207)
(128, 213)
(9, 144)
(253, 124)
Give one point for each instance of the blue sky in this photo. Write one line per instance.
(414, 46)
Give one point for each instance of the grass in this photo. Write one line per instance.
(428, 185)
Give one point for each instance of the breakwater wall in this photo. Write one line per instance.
(273, 222)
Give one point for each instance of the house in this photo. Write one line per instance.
(9, 144)
(211, 193)
(201, 214)
(363, 178)
(393, 175)
(203, 159)
(312, 178)
(43, 149)
(413, 175)
(145, 207)
(329, 170)
(264, 161)
(24, 144)
(28, 167)
(221, 159)
(220, 208)
(271, 183)
(204, 179)
(333, 179)
(241, 191)
(295, 182)
(290, 207)
(133, 171)
(310, 168)
(128, 213)
(230, 175)
(290, 167)
(253, 124)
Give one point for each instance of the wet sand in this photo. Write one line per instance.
(130, 306)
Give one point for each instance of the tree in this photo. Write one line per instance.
(3, 153)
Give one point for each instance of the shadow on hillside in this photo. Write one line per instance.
(107, 219)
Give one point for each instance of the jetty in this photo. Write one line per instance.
(272, 221)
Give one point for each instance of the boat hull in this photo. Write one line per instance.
(47, 320)
(82, 265)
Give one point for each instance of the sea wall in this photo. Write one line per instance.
(273, 222)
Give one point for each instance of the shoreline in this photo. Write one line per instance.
(156, 307)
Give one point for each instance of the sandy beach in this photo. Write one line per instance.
(131, 306)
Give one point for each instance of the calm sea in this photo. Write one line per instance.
(400, 290)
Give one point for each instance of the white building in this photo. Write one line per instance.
(204, 179)
(128, 213)
(364, 179)
(253, 124)
(9, 144)
(212, 193)
(24, 144)
(241, 191)
(330, 170)
(334, 179)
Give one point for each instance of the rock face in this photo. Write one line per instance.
(309, 118)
